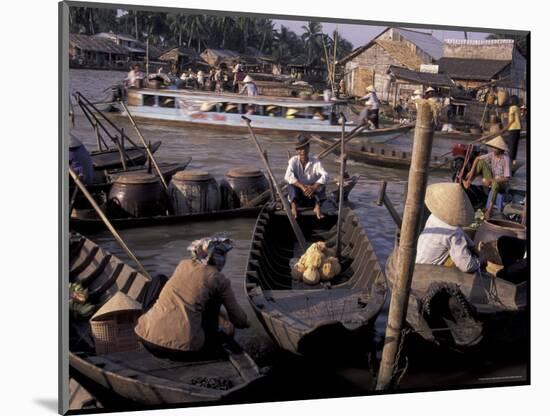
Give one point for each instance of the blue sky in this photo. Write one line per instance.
(361, 34)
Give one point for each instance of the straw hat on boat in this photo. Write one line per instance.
(230, 107)
(270, 108)
(498, 143)
(370, 88)
(247, 79)
(207, 106)
(291, 112)
(430, 89)
(417, 92)
(449, 203)
(120, 302)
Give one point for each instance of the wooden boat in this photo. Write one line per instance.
(455, 309)
(380, 156)
(138, 375)
(321, 320)
(224, 111)
(110, 159)
(94, 224)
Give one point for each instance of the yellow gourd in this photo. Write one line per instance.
(311, 276)
(297, 271)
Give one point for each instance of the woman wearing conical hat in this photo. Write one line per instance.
(443, 241)
(494, 168)
(372, 103)
(249, 87)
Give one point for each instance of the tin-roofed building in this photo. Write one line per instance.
(395, 47)
(95, 51)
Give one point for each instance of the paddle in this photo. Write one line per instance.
(147, 149)
(284, 200)
(108, 224)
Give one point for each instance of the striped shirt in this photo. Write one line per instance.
(312, 173)
(500, 166)
(440, 240)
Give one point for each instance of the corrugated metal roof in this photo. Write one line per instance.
(422, 78)
(96, 44)
(478, 69)
(425, 41)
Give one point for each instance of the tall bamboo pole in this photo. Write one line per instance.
(414, 205)
(341, 190)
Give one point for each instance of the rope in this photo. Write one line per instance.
(399, 372)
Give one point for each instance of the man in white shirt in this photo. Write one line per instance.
(306, 178)
(443, 241)
(133, 76)
(372, 103)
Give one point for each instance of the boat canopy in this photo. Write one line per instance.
(202, 97)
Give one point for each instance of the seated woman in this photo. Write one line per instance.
(494, 168)
(443, 241)
(184, 321)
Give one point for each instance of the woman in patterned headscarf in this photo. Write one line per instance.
(185, 320)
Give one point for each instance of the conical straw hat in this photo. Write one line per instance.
(248, 78)
(498, 143)
(291, 111)
(120, 302)
(370, 88)
(449, 203)
(207, 106)
(230, 107)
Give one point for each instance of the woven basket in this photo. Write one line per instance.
(115, 334)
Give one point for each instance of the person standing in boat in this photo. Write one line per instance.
(185, 321)
(134, 76)
(513, 127)
(443, 241)
(372, 103)
(249, 87)
(306, 178)
(238, 77)
(495, 169)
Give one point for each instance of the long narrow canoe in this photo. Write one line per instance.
(110, 159)
(372, 155)
(455, 309)
(324, 319)
(94, 225)
(138, 375)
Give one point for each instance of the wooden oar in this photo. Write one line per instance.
(284, 200)
(147, 149)
(341, 201)
(108, 224)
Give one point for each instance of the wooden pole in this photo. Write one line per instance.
(106, 221)
(147, 149)
(418, 178)
(341, 200)
(271, 185)
(299, 235)
(384, 200)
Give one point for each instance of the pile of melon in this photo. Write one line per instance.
(318, 264)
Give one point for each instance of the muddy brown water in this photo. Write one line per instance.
(161, 248)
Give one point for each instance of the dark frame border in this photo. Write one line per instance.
(63, 317)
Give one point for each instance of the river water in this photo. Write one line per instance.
(161, 248)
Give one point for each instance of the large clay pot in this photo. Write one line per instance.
(194, 192)
(136, 194)
(491, 230)
(241, 185)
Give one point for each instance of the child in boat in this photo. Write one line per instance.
(185, 321)
(306, 178)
